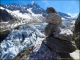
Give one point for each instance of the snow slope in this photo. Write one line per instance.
(25, 16)
(21, 18)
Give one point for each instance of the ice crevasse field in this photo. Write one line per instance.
(22, 38)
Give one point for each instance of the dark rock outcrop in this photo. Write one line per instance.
(5, 16)
(77, 40)
(3, 35)
(66, 56)
(77, 24)
(77, 32)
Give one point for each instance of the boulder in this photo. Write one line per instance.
(50, 10)
(42, 52)
(54, 19)
(62, 46)
(50, 28)
(63, 34)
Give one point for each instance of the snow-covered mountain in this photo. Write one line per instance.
(36, 9)
(32, 13)
(20, 17)
(33, 16)
(64, 15)
(31, 8)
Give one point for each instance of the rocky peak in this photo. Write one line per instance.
(36, 9)
(4, 13)
(32, 2)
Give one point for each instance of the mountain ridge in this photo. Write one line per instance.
(36, 9)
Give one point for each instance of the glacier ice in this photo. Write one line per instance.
(20, 39)
(17, 40)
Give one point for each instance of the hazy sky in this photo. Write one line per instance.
(70, 7)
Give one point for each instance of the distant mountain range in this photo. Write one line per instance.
(35, 8)
(32, 12)
(21, 14)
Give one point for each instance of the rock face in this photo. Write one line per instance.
(77, 40)
(77, 24)
(4, 13)
(77, 32)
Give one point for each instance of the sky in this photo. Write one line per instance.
(71, 7)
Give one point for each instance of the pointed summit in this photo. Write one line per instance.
(32, 2)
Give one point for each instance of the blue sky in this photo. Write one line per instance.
(70, 7)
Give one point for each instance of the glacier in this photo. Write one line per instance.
(27, 35)
(20, 39)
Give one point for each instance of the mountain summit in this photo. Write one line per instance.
(36, 9)
(32, 2)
